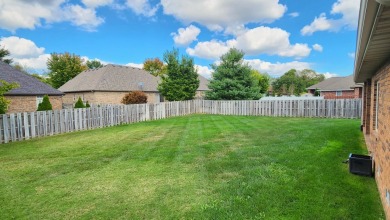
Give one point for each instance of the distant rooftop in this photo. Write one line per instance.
(336, 84)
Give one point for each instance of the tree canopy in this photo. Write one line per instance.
(4, 88)
(64, 67)
(154, 66)
(232, 79)
(295, 82)
(93, 64)
(180, 80)
(262, 79)
(4, 53)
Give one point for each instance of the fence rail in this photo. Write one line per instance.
(23, 126)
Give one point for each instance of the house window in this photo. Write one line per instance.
(39, 100)
(339, 93)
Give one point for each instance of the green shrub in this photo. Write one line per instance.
(79, 103)
(87, 105)
(317, 93)
(136, 97)
(3, 105)
(45, 105)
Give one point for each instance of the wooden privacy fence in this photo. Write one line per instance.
(23, 126)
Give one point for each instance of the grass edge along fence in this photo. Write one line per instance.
(23, 126)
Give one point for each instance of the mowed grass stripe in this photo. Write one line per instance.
(192, 167)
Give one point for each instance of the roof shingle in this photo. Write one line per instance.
(28, 85)
(335, 84)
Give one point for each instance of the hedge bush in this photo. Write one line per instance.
(45, 105)
(79, 103)
(136, 97)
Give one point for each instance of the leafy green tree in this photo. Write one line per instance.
(232, 79)
(180, 81)
(4, 88)
(263, 80)
(45, 105)
(296, 82)
(64, 67)
(3, 53)
(154, 66)
(94, 64)
(79, 103)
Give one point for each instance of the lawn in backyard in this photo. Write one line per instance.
(192, 167)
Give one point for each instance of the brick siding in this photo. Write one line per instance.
(378, 137)
(29, 103)
(346, 94)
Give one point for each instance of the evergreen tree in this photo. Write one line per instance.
(79, 103)
(180, 80)
(45, 105)
(232, 79)
(87, 105)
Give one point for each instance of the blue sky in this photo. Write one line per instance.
(275, 35)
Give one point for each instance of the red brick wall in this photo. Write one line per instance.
(29, 103)
(378, 137)
(346, 94)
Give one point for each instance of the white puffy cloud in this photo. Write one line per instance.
(294, 14)
(260, 40)
(30, 14)
(185, 36)
(352, 55)
(36, 63)
(330, 75)
(142, 7)
(96, 3)
(82, 17)
(137, 65)
(211, 49)
(318, 47)
(219, 14)
(205, 71)
(20, 47)
(276, 69)
(349, 11)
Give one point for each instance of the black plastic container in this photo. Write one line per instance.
(360, 164)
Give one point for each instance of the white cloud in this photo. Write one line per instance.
(205, 71)
(352, 55)
(36, 63)
(330, 75)
(186, 36)
(220, 14)
(82, 17)
(318, 47)
(211, 49)
(142, 7)
(260, 40)
(20, 47)
(96, 3)
(137, 65)
(294, 14)
(349, 11)
(276, 69)
(30, 14)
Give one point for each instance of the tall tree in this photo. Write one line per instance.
(4, 88)
(154, 66)
(180, 81)
(4, 53)
(263, 80)
(232, 79)
(64, 67)
(93, 64)
(296, 81)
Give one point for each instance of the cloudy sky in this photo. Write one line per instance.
(276, 35)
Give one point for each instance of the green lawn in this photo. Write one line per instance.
(192, 167)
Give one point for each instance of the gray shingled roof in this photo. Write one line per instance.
(28, 85)
(115, 78)
(335, 84)
(203, 84)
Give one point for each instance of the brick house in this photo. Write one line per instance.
(30, 92)
(372, 67)
(108, 85)
(338, 88)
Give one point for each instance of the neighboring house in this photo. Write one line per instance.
(372, 67)
(30, 92)
(337, 88)
(109, 84)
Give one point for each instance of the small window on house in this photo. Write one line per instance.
(339, 93)
(39, 100)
